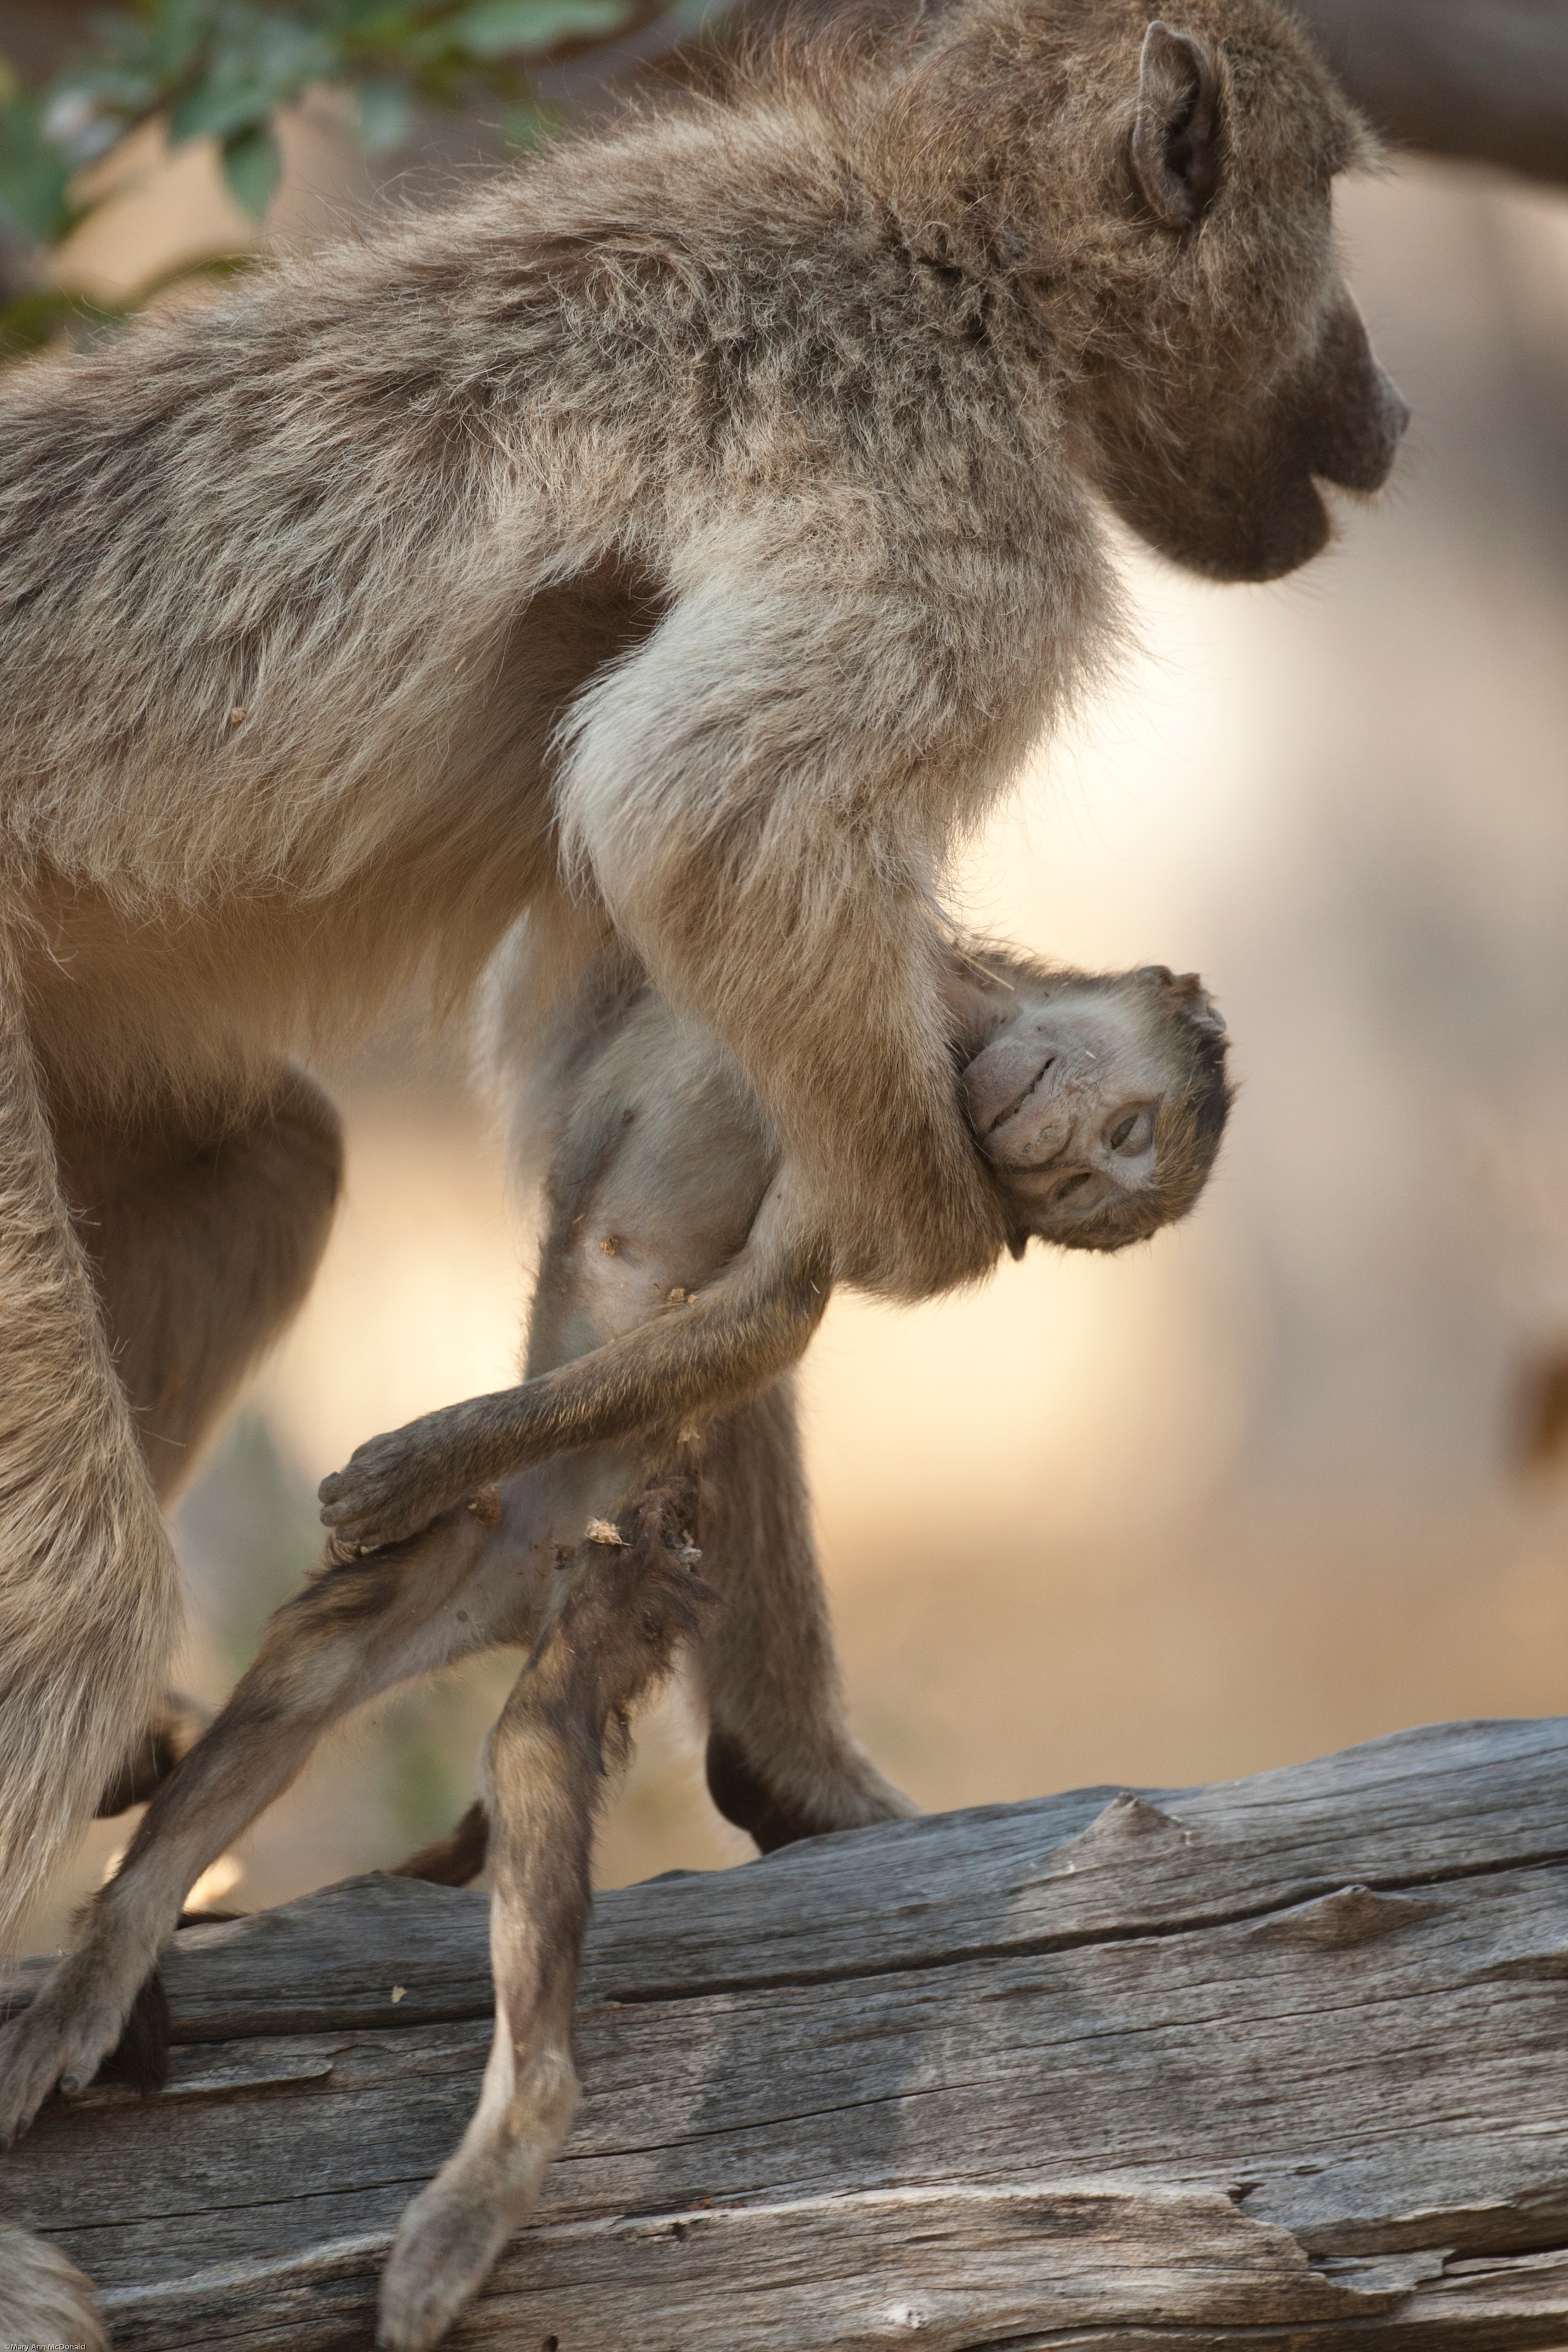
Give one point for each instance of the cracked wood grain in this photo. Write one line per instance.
(1271, 2062)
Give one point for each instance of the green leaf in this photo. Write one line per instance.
(252, 166)
(168, 34)
(374, 20)
(497, 28)
(33, 175)
(385, 116)
(252, 68)
(209, 113)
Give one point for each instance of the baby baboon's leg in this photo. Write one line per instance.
(355, 1631)
(620, 1619)
(782, 1762)
(203, 1243)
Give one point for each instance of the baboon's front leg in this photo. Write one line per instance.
(89, 1600)
(356, 1631)
(627, 1607)
(202, 1234)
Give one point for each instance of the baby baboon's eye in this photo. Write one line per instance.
(1133, 1131)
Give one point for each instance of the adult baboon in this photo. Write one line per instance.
(671, 1299)
(686, 538)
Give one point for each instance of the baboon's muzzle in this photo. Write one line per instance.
(1354, 418)
(1247, 502)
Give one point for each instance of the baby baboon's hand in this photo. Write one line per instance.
(393, 1485)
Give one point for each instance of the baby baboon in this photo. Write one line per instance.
(1051, 1059)
(667, 1274)
(685, 538)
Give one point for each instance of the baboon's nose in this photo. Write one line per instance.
(1359, 418)
(1363, 460)
(1395, 407)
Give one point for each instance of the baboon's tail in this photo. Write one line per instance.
(89, 1592)
(44, 2298)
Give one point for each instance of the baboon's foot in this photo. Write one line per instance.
(44, 2298)
(837, 1794)
(445, 2244)
(65, 2036)
(450, 2236)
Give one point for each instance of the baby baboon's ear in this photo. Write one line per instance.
(1175, 136)
(1186, 990)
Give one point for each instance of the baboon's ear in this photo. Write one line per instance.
(1186, 990)
(1176, 137)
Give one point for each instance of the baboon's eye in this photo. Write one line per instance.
(1133, 1131)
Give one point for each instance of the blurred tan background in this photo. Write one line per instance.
(1250, 1493)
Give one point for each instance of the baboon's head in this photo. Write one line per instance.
(1101, 1101)
(1181, 241)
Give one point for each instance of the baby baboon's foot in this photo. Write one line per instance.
(446, 2243)
(450, 2235)
(63, 2038)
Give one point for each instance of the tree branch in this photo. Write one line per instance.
(1486, 80)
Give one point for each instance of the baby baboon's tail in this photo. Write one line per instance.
(89, 1592)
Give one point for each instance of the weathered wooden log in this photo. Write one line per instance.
(1277, 2062)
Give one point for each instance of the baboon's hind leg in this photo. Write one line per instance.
(782, 1762)
(176, 1724)
(625, 1611)
(204, 1237)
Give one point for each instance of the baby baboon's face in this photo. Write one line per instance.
(1086, 1100)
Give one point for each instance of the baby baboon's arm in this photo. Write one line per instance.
(697, 1358)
